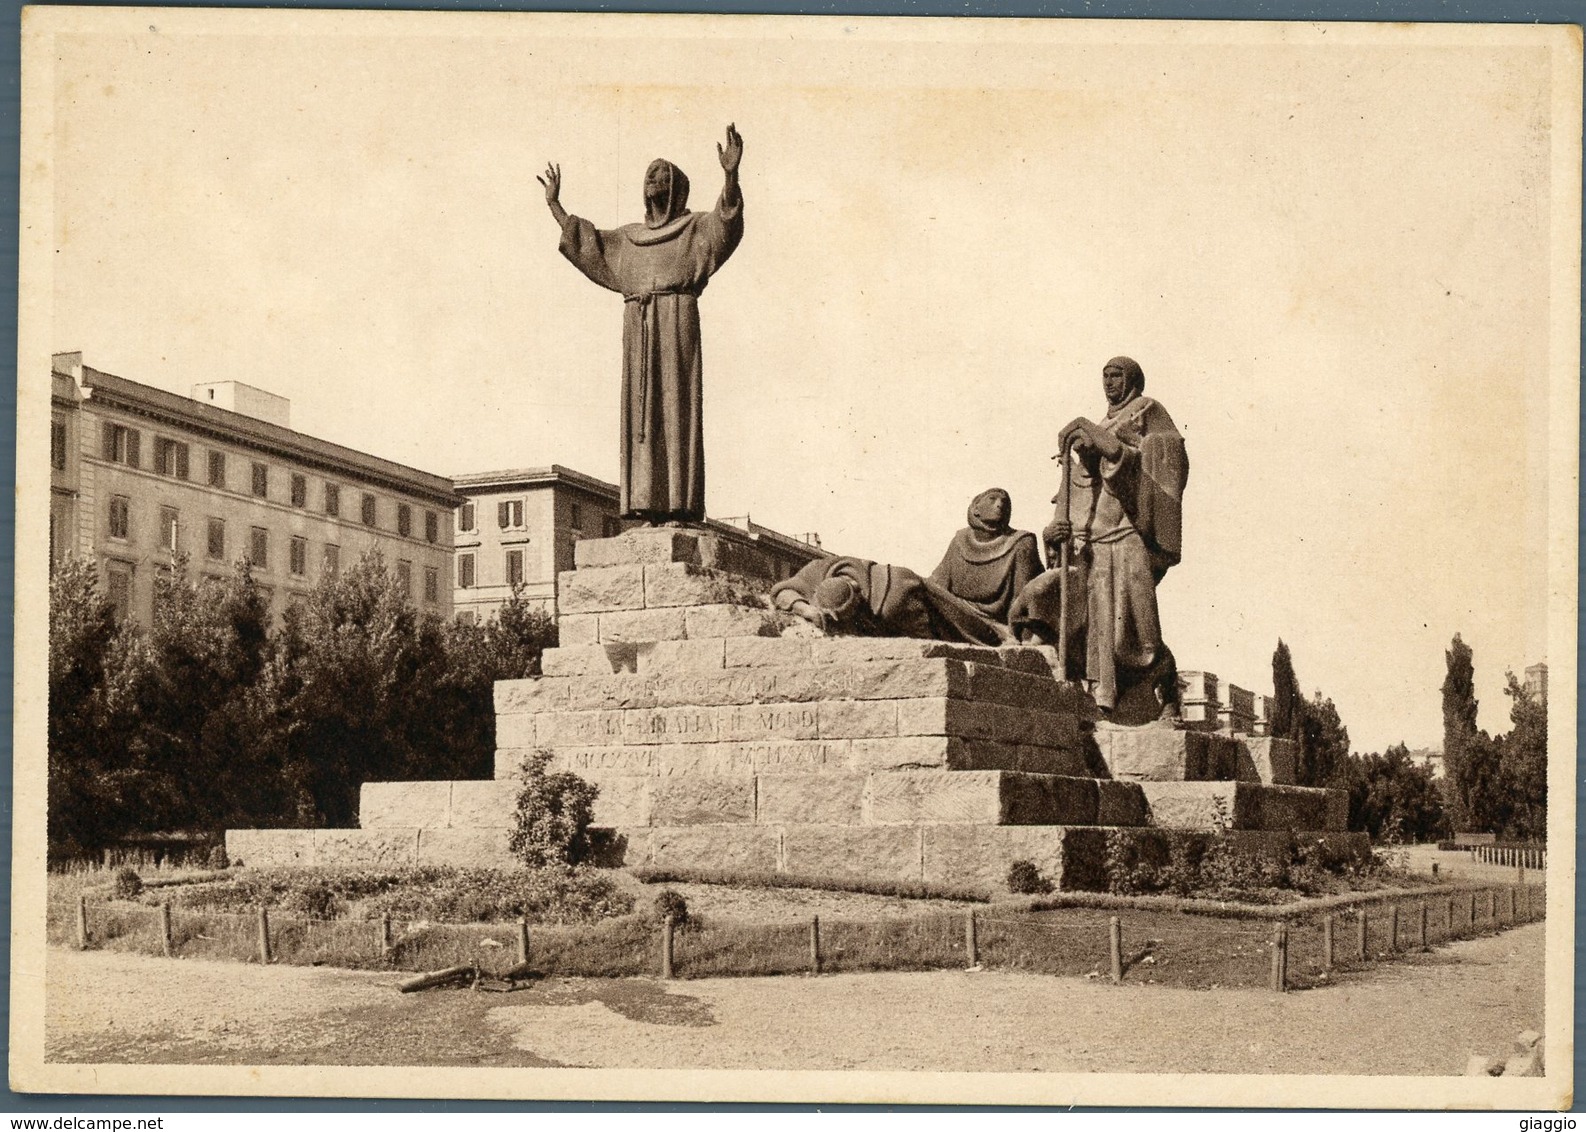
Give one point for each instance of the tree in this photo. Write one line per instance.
(81, 803)
(1523, 754)
(1459, 728)
(1287, 700)
(1324, 742)
(1392, 798)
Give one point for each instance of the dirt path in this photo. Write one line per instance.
(1421, 1016)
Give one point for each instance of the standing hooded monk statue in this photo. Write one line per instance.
(1123, 521)
(660, 267)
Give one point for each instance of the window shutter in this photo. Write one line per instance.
(503, 515)
(134, 456)
(108, 450)
(181, 461)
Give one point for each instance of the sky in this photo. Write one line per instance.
(1329, 251)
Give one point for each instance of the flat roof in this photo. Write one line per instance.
(275, 438)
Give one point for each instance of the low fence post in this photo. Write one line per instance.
(82, 922)
(1393, 927)
(1115, 948)
(165, 928)
(971, 939)
(1511, 905)
(1434, 870)
(1327, 942)
(1364, 954)
(1473, 912)
(523, 940)
(815, 943)
(1521, 876)
(666, 948)
(1280, 957)
(264, 935)
(385, 935)
(1450, 903)
(1424, 917)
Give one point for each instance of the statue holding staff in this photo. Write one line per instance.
(660, 267)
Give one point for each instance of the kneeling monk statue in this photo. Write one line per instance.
(988, 562)
(864, 598)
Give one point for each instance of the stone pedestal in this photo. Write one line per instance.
(725, 735)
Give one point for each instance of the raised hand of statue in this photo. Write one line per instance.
(552, 180)
(1057, 532)
(1076, 436)
(732, 152)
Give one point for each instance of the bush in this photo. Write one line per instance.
(551, 823)
(315, 900)
(217, 859)
(127, 885)
(1026, 879)
(669, 904)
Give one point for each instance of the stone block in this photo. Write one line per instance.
(750, 848)
(670, 725)
(809, 799)
(602, 760)
(679, 583)
(968, 856)
(1153, 755)
(989, 797)
(737, 557)
(660, 657)
(856, 719)
(852, 851)
(909, 753)
(961, 718)
(576, 660)
(486, 802)
(539, 693)
(516, 731)
(997, 685)
(366, 848)
(802, 757)
(637, 547)
(509, 762)
(387, 805)
(760, 722)
(574, 629)
(1240, 701)
(620, 847)
(565, 729)
(270, 848)
(1048, 760)
(1336, 811)
(1293, 807)
(1200, 687)
(726, 620)
(476, 848)
(643, 625)
(718, 759)
(601, 589)
(1201, 805)
(699, 799)
(624, 799)
(1048, 799)
(1266, 759)
(761, 652)
(862, 650)
(1120, 803)
(906, 679)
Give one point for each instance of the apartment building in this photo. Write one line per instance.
(519, 526)
(139, 474)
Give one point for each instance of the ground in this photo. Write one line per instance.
(1420, 1015)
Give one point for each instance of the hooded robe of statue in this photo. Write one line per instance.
(887, 601)
(660, 267)
(1128, 529)
(988, 562)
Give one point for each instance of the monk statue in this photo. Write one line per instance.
(1120, 512)
(861, 598)
(660, 267)
(988, 563)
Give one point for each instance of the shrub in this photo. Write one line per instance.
(551, 823)
(1026, 879)
(217, 858)
(127, 885)
(669, 904)
(316, 900)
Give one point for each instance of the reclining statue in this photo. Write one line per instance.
(862, 598)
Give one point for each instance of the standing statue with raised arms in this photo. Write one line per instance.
(660, 266)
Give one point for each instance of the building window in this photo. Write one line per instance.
(169, 526)
(368, 510)
(260, 555)
(332, 499)
(170, 457)
(465, 518)
(118, 587)
(299, 490)
(514, 567)
(58, 445)
(298, 556)
(332, 560)
(465, 571)
(217, 469)
(120, 517)
(217, 539)
(122, 445)
(610, 526)
(577, 517)
(432, 527)
(261, 481)
(509, 514)
(404, 520)
(432, 584)
(405, 577)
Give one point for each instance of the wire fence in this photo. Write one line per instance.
(1135, 945)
